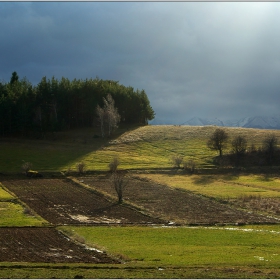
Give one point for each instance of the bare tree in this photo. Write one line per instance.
(270, 147)
(113, 117)
(108, 115)
(239, 145)
(119, 181)
(218, 140)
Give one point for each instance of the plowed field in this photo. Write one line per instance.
(61, 201)
(177, 205)
(45, 245)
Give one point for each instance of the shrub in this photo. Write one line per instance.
(113, 165)
(190, 165)
(177, 160)
(26, 166)
(81, 166)
(27, 211)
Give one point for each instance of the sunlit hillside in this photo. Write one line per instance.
(145, 147)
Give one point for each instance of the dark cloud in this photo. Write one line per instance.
(207, 59)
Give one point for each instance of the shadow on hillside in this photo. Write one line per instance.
(110, 207)
(54, 154)
(266, 177)
(229, 177)
(204, 179)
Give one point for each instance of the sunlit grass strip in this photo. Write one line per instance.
(185, 246)
(145, 155)
(4, 195)
(211, 186)
(263, 181)
(13, 214)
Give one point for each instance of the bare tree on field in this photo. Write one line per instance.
(239, 145)
(119, 181)
(218, 140)
(108, 115)
(270, 147)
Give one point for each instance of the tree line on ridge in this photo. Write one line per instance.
(54, 105)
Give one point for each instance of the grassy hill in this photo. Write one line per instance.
(144, 147)
(242, 208)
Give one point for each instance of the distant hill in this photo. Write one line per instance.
(262, 122)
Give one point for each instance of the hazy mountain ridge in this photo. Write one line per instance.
(263, 122)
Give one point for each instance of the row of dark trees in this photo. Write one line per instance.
(54, 105)
(241, 152)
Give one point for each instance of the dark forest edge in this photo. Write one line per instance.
(54, 105)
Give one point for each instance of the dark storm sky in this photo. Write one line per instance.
(206, 59)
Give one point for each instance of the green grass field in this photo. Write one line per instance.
(186, 246)
(14, 213)
(177, 251)
(4, 195)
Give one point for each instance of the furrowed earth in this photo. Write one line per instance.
(61, 202)
(91, 200)
(45, 245)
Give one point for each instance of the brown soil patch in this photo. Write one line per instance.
(46, 245)
(176, 205)
(268, 205)
(61, 201)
